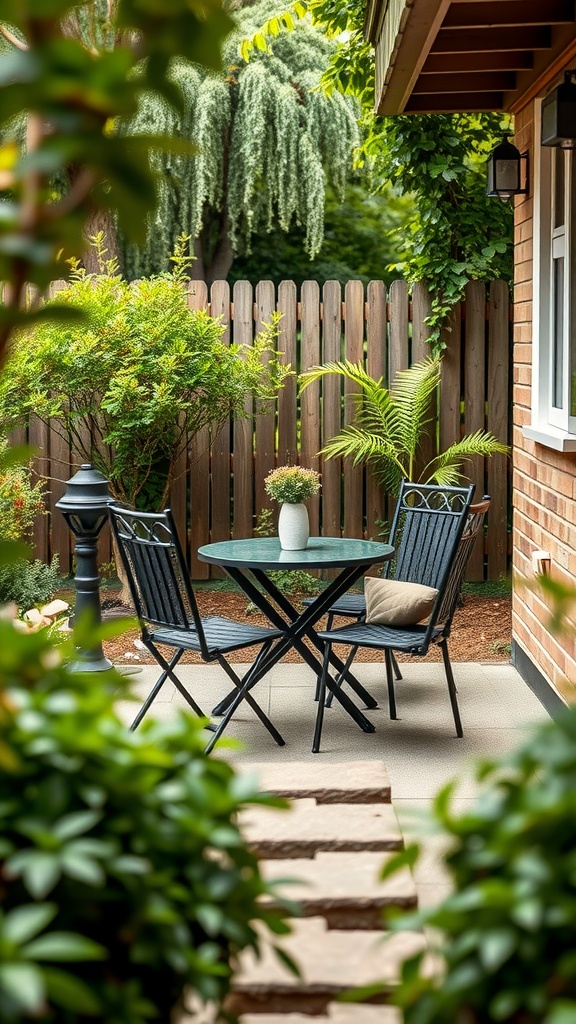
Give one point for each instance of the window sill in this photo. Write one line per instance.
(550, 437)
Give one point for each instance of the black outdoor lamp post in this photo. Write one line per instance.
(504, 172)
(84, 506)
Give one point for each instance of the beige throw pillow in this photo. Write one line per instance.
(394, 603)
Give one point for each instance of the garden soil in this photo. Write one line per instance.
(481, 630)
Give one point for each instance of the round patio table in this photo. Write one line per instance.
(248, 561)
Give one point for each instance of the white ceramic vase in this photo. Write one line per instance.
(293, 526)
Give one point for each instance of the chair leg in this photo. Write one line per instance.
(238, 683)
(321, 689)
(451, 688)
(329, 621)
(396, 666)
(390, 681)
(222, 706)
(167, 673)
(340, 676)
(245, 685)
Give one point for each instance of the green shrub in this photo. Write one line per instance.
(26, 583)
(135, 378)
(29, 583)
(20, 500)
(125, 878)
(507, 936)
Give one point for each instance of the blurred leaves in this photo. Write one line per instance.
(125, 875)
(70, 93)
(505, 939)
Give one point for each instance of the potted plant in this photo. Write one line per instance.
(291, 486)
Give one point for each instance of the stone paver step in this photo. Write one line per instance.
(336, 1013)
(330, 962)
(309, 827)
(343, 888)
(351, 782)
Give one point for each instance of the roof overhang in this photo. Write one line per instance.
(456, 56)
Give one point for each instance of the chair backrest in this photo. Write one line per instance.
(429, 521)
(472, 530)
(156, 570)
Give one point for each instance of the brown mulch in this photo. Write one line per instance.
(481, 630)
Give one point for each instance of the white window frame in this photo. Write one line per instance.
(552, 425)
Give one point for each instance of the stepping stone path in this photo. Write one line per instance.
(332, 843)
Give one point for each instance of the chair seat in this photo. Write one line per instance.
(413, 639)
(222, 635)
(348, 604)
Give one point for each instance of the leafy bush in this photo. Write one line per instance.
(20, 500)
(124, 875)
(135, 378)
(28, 584)
(508, 933)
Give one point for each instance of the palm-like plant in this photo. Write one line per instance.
(390, 424)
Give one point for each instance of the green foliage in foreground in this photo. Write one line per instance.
(390, 425)
(507, 936)
(125, 878)
(134, 379)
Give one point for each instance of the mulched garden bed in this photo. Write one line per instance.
(481, 629)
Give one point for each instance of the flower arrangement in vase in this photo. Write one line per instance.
(291, 486)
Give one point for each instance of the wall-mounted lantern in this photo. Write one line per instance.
(559, 114)
(504, 172)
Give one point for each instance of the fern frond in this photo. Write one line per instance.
(412, 393)
(360, 446)
(446, 467)
(354, 372)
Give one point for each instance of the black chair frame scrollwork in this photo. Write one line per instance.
(168, 613)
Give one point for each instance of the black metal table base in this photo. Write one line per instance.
(296, 627)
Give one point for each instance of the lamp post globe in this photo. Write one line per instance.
(84, 506)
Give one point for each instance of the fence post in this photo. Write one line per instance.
(310, 400)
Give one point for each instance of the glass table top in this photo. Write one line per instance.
(320, 553)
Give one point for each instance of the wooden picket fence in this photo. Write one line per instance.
(219, 489)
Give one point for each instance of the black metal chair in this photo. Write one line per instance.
(433, 532)
(166, 607)
(353, 605)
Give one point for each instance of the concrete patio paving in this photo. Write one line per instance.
(420, 750)
(412, 758)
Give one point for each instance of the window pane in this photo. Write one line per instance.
(558, 333)
(558, 187)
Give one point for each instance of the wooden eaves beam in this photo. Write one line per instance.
(508, 13)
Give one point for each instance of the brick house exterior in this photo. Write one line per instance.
(455, 56)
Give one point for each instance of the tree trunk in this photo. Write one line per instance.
(213, 251)
(125, 596)
(197, 269)
(99, 220)
(221, 261)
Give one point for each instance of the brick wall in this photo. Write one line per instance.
(544, 481)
